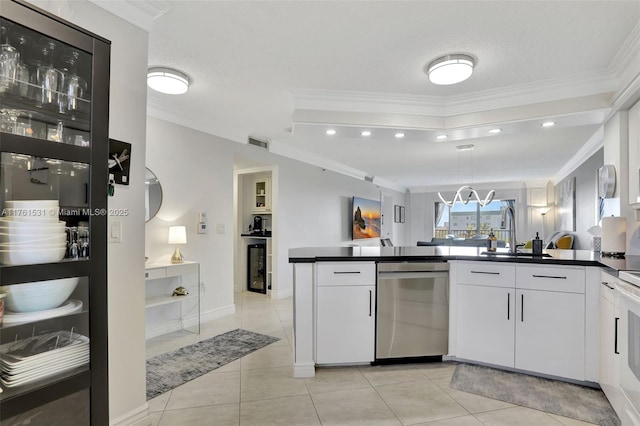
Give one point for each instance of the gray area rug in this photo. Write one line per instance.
(552, 396)
(171, 369)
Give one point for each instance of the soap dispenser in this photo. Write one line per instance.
(492, 242)
(536, 245)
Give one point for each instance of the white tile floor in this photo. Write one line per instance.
(259, 389)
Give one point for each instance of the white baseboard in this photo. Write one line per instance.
(301, 370)
(275, 294)
(187, 322)
(137, 417)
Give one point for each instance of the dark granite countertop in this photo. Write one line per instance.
(445, 253)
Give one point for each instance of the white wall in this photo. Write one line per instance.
(196, 174)
(127, 381)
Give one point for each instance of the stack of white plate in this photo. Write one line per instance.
(42, 356)
(31, 233)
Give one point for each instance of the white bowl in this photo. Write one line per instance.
(34, 255)
(36, 227)
(31, 216)
(31, 204)
(39, 295)
(33, 239)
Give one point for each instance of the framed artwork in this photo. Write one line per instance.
(567, 205)
(119, 161)
(398, 214)
(365, 216)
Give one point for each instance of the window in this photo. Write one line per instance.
(471, 220)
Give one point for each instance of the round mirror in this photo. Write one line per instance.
(152, 195)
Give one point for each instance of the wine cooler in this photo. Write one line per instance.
(257, 268)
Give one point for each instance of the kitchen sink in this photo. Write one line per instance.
(518, 254)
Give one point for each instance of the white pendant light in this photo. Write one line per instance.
(167, 80)
(465, 193)
(450, 69)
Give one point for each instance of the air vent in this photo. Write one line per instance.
(259, 143)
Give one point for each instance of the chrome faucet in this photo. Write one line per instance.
(512, 227)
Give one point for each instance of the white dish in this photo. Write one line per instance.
(13, 351)
(25, 204)
(40, 377)
(8, 226)
(39, 295)
(13, 366)
(18, 239)
(70, 307)
(26, 257)
(31, 216)
(46, 367)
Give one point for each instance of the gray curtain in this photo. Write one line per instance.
(439, 211)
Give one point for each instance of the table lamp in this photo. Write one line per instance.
(177, 235)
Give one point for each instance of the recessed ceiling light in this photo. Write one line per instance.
(399, 135)
(548, 123)
(365, 133)
(441, 137)
(167, 80)
(331, 132)
(494, 131)
(450, 69)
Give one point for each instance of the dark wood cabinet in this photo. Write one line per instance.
(54, 120)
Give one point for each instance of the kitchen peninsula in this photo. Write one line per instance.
(537, 314)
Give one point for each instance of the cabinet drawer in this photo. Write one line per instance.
(551, 278)
(152, 274)
(486, 273)
(178, 270)
(346, 273)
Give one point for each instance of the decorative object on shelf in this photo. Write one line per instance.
(111, 186)
(614, 236)
(450, 69)
(606, 181)
(461, 194)
(596, 235)
(180, 291)
(177, 235)
(119, 161)
(168, 80)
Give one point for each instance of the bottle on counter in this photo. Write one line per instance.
(492, 242)
(536, 245)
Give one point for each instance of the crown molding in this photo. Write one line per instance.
(595, 142)
(140, 13)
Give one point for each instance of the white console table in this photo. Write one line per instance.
(166, 313)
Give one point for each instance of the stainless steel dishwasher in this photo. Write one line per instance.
(412, 318)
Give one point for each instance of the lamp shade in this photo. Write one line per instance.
(167, 80)
(177, 235)
(543, 210)
(450, 69)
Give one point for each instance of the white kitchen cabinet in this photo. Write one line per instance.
(485, 324)
(529, 317)
(609, 354)
(262, 195)
(550, 333)
(345, 319)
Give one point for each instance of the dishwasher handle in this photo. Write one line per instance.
(412, 274)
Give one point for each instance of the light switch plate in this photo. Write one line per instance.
(115, 231)
(202, 228)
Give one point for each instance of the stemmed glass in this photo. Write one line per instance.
(50, 79)
(74, 85)
(23, 73)
(8, 60)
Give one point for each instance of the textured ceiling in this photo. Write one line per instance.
(256, 66)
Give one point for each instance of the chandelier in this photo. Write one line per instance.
(465, 193)
(465, 200)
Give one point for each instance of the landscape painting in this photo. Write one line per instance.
(366, 218)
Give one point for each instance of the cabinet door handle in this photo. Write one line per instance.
(522, 308)
(615, 336)
(607, 286)
(146, 275)
(346, 272)
(485, 272)
(508, 306)
(549, 276)
(370, 302)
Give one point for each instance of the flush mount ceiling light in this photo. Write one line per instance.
(450, 69)
(167, 80)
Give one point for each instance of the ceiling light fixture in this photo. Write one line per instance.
(441, 137)
(399, 135)
(495, 131)
(458, 196)
(365, 133)
(548, 124)
(167, 80)
(450, 69)
(331, 132)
